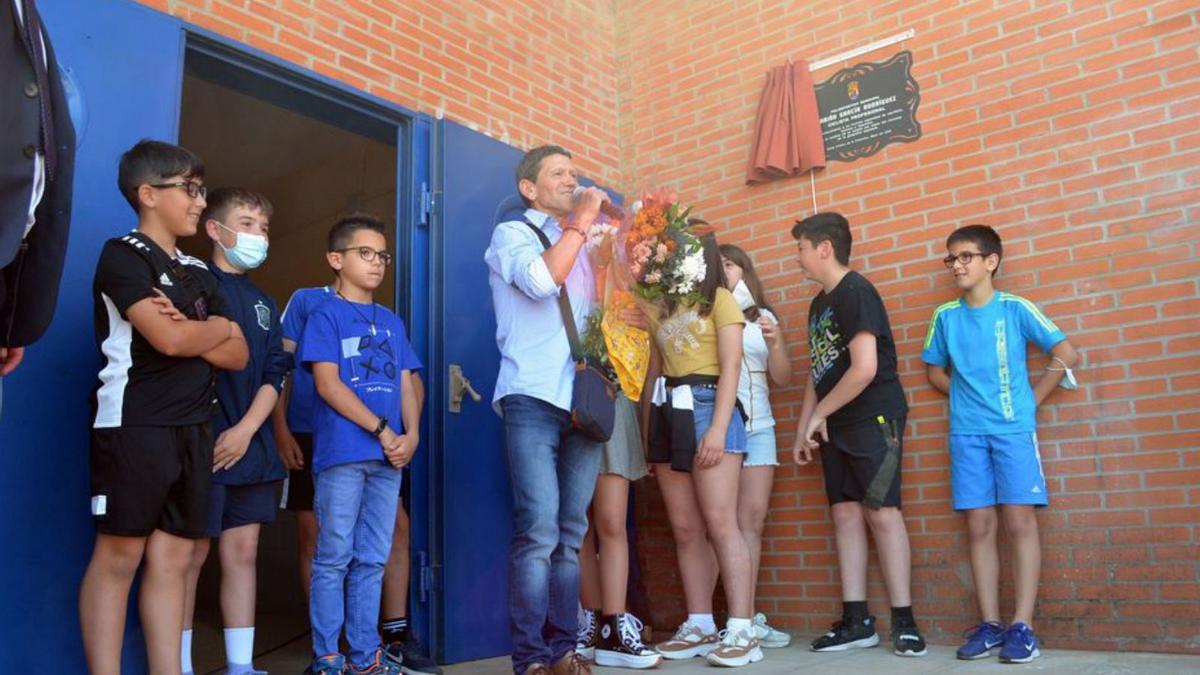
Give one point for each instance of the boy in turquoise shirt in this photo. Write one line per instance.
(975, 353)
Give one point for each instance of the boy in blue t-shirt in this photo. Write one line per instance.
(361, 361)
(975, 351)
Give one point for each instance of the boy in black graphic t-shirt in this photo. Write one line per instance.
(151, 456)
(854, 411)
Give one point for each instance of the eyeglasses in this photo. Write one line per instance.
(963, 258)
(369, 254)
(193, 188)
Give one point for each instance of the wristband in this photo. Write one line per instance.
(380, 427)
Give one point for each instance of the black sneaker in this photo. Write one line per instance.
(907, 641)
(621, 645)
(588, 634)
(410, 656)
(848, 634)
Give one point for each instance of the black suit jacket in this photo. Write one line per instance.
(31, 268)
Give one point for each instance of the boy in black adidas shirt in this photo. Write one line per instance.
(152, 446)
(854, 412)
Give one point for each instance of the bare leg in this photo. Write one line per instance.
(103, 598)
(717, 493)
(1021, 523)
(199, 555)
(985, 561)
(161, 599)
(609, 508)
(590, 596)
(396, 572)
(754, 495)
(697, 561)
(850, 532)
(306, 544)
(891, 540)
(239, 579)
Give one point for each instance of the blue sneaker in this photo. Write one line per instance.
(982, 641)
(1020, 645)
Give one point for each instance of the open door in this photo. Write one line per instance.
(475, 174)
(124, 65)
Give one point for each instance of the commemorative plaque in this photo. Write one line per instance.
(867, 106)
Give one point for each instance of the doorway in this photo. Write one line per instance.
(316, 155)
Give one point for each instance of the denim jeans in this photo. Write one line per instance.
(553, 472)
(355, 506)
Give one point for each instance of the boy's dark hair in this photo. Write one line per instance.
(222, 200)
(531, 164)
(343, 230)
(153, 162)
(750, 277)
(983, 236)
(828, 226)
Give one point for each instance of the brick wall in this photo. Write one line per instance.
(508, 68)
(1072, 127)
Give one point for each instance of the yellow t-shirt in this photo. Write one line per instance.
(688, 342)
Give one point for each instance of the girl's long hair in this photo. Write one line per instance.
(742, 260)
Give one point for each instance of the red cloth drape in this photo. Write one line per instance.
(787, 131)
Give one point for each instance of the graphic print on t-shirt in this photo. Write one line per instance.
(370, 357)
(679, 332)
(824, 338)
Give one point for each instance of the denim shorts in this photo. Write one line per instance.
(704, 403)
(761, 449)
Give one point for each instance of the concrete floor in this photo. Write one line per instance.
(292, 657)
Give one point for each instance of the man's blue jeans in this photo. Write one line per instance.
(355, 506)
(553, 473)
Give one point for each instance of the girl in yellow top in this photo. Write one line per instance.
(696, 442)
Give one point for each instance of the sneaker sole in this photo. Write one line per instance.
(605, 657)
(1036, 653)
(909, 652)
(588, 653)
(753, 656)
(982, 655)
(857, 644)
(776, 644)
(689, 653)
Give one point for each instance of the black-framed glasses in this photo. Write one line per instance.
(193, 188)
(369, 254)
(963, 258)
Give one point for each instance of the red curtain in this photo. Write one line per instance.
(787, 132)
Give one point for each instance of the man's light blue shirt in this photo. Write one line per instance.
(535, 356)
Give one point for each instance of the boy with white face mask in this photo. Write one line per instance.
(246, 467)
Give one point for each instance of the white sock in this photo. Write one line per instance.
(185, 652)
(239, 646)
(704, 622)
(736, 625)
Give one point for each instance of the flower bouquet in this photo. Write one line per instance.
(663, 253)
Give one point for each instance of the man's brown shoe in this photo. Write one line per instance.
(572, 664)
(538, 669)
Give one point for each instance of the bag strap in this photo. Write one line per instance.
(564, 303)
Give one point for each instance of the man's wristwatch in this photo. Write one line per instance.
(380, 427)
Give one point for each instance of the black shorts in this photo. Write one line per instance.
(298, 486)
(152, 478)
(861, 463)
(231, 506)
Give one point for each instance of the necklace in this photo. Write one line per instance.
(354, 307)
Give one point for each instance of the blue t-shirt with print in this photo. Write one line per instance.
(303, 392)
(370, 347)
(985, 349)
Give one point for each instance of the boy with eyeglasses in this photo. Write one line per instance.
(246, 467)
(975, 353)
(360, 360)
(151, 441)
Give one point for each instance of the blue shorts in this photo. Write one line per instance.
(705, 399)
(761, 449)
(231, 506)
(986, 470)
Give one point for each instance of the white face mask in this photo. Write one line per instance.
(741, 295)
(1068, 382)
(248, 251)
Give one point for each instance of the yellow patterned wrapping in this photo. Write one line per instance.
(628, 347)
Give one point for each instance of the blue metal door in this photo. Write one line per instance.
(124, 63)
(475, 174)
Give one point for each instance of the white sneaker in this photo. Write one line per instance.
(688, 641)
(737, 648)
(769, 637)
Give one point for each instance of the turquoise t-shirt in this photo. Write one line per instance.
(985, 349)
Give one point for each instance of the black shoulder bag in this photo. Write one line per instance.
(593, 396)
